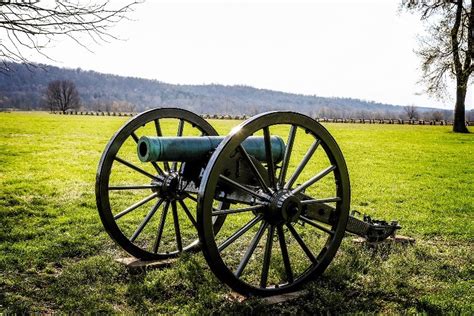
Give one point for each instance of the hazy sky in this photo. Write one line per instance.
(359, 49)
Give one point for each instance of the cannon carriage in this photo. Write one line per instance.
(268, 204)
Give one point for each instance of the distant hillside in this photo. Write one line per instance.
(23, 88)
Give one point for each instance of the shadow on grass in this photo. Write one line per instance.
(430, 277)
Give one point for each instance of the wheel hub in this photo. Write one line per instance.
(283, 208)
(170, 187)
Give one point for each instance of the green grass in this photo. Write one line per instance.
(55, 255)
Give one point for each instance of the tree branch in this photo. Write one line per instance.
(454, 38)
(32, 26)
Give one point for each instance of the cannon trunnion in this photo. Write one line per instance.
(268, 204)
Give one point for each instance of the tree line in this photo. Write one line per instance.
(63, 96)
(24, 89)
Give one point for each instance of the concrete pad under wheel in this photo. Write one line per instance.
(269, 300)
(399, 239)
(134, 263)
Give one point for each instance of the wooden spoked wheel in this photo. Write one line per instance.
(147, 208)
(269, 242)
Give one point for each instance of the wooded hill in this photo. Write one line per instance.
(23, 88)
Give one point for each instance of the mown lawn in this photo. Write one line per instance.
(55, 255)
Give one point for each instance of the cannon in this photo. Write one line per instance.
(268, 204)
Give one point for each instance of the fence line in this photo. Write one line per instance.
(318, 119)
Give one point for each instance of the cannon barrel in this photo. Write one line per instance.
(189, 148)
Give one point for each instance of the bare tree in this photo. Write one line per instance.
(62, 95)
(437, 116)
(31, 25)
(411, 112)
(447, 49)
(470, 116)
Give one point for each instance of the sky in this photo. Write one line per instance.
(357, 49)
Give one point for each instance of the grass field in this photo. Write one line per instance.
(56, 257)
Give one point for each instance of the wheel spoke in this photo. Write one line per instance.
(134, 136)
(240, 199)
(161, 227)
(146, 220)
(302, 244)
(287, 155)
(132, 187)
(250, 249)
(157, 168)
(319, 201)
(267, 256)
(254, 169)
(132, 166)
(241, 187)
(180, 128)
(311, 181)
(135, 206)
(159, 133)
(302, 164)
(310, 222)
(188, 213)
(217, 212)
(239, 233)
(284, 254)
(177, 231)
(189, 196)
(179, 134)
(269, 156)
